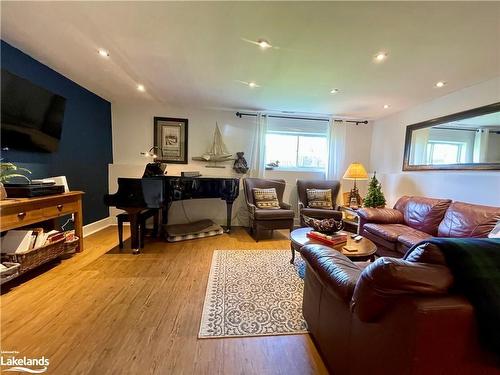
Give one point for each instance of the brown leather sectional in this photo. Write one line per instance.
(394, 317)
(413, 219)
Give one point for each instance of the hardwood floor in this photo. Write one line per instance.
(106, 312)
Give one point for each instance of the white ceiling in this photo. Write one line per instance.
(192, 53)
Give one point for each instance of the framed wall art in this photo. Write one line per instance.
(171, 139)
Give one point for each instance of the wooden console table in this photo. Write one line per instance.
(20, 212)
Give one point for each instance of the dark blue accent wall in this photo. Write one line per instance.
(85, 149)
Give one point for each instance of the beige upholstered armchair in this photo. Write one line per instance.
(306, 208)
(279, 216)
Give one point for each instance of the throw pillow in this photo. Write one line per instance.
(266, 199)
(319, 198)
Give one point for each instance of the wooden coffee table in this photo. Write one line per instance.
(366, 249)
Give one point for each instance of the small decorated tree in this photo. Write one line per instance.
(374, 196)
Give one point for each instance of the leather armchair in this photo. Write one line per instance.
(393, 317)
(267, 219)
(317, 213)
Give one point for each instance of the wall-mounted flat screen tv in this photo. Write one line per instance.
(32, 116)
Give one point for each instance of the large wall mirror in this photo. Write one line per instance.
(465, 140)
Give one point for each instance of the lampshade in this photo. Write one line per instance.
(356, 171)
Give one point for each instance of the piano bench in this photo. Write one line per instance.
(143, 216)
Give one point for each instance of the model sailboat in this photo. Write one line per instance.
(217, 152)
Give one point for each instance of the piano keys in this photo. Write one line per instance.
(137, 194)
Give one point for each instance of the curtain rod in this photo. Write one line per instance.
(241, 114)
(449, 128)
(464, 129)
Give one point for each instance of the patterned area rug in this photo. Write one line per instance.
(253, 293)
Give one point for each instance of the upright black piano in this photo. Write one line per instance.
(137, 194)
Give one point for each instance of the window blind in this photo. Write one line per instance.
(305, 127)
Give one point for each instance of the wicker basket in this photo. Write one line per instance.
(10, 273)
(71, 245)
(36, 257)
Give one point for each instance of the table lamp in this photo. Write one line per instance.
(356, 171)
(155, 168)
(150, 153)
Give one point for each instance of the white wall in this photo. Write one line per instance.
(133, 133)
(481, 187)
(493, 148)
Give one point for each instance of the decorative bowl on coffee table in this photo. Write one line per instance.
(326, 226)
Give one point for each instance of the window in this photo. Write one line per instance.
(446, 152)
(297, 143)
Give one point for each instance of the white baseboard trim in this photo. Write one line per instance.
(114, 221)
(96, 226)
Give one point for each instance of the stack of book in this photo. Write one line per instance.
(330, 240)
(22, 241)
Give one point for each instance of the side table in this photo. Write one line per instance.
(350, 219)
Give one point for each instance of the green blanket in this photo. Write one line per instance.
(475, 264)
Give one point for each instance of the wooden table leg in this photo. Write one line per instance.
(292, 261)
(79, 225)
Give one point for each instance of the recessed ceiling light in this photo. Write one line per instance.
(249, 84)
(334, 91)
(380, 56)
(141, 88)
(103, 52)
(440, 84)
(264, 44)
(386, 106)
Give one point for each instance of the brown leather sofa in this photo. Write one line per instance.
(394, 317)
(413, 219)
(317, 213)
(262, 219)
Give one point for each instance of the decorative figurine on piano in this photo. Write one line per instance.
(240, 164)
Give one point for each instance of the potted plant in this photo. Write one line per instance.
(8, 171)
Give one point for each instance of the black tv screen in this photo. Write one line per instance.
(32, 116)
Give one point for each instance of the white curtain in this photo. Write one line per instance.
(419, 145)
(481, 145)
(258, 160)
(336, 150)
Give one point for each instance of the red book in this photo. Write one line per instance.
(55, 237)
(334, 240)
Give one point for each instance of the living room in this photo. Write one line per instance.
(373, 126)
